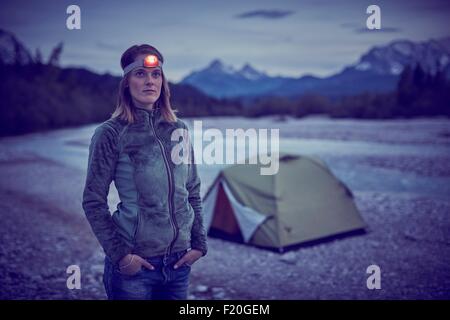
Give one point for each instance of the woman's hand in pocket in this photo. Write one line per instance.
(132, 264)
(189, 258)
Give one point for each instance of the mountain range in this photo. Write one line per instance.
(376, 71)
(42, 95)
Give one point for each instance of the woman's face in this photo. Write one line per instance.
(145, 84)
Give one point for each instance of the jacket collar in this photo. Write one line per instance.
(145, 115)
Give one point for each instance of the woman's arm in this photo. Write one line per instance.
(198, 233)
(103, 154)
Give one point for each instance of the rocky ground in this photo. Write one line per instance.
(43, 231)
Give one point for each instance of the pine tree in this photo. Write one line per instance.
(405, 88)
(55, 55)
(38, 57)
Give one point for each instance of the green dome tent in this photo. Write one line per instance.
(301, 203)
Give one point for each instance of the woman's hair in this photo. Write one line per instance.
(124, 107)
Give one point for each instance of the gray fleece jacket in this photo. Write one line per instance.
(160, 209)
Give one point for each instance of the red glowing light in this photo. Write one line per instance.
(151, 61)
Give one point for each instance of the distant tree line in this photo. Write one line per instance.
(418, 93)
(39, 97)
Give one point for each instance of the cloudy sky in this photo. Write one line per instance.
(290, 38)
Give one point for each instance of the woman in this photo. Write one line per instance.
(157, 231)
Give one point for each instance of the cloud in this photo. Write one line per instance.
(266, 14)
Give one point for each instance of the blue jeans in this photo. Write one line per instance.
(162, 283)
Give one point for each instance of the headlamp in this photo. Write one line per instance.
(149, 61)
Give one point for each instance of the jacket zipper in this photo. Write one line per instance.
(172, 219)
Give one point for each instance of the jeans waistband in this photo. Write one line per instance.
(177, 254)
(171, 257)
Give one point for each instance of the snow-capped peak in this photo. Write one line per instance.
(218, 66)
(394, 57)
(247, 71)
